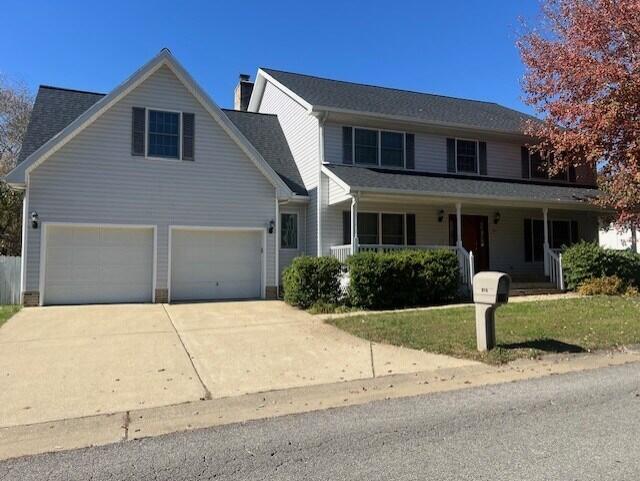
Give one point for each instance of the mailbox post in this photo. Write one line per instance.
(490, 290)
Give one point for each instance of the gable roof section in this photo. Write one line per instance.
(266, 135)
(53, 110)
(336, 95)
(18, 176)
(383, 181)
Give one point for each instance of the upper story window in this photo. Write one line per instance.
(366, 146)
(467, 156)
(392, 149)
(164, 134)
(377, 147)
(539, 167)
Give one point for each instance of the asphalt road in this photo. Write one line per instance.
(583, 426)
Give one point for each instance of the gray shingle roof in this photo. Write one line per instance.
(55, 108)
(363, 178)
(403, 103)
(266, 135)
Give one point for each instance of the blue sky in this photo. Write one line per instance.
(463, 48)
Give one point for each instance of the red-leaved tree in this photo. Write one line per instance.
(583, 78)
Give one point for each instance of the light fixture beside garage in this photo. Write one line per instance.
(496, 217)
(34, 219)
(271, 226)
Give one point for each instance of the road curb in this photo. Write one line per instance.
(137, 424)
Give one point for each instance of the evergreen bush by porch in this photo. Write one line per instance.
(403, 278)
(309, 280)
(587, 260)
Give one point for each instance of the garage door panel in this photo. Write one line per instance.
(212, 264)
(98, 264)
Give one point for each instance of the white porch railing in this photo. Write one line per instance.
(467, 268)
(342, 253)
(553, 262)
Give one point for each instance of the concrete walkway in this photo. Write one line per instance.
(67, 362)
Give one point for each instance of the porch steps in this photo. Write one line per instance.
(533, 289)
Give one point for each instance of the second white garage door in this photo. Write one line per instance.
(216, 264)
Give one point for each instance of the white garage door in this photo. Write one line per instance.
(215, 264)
(86, 265)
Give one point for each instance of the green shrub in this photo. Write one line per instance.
(602, 286)
(586, 260)
(402, 279)
(311, 280)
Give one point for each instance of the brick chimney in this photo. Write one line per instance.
(242, 94)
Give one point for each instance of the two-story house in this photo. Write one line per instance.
(152, 193)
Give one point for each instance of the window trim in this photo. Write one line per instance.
(379, 136)
(379, 213)
(146, 135)
(548, 177)
(477, 143)
(297, 247)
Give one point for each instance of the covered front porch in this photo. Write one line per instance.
(522, 240)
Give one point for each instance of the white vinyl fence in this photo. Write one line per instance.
(9, 280)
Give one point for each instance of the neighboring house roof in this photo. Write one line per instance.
(53, 110)
(19, 175)
(266, 135)
(327, 94)
(367, 179)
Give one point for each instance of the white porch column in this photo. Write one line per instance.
(459, 224)
(545, 215)
(354, 224)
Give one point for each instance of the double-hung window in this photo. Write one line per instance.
(391, 149)
(376, 147)
(539, 167)
(467, 156)
(376, 228)
(163, 134)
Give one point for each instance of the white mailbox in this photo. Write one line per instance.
(490, 290)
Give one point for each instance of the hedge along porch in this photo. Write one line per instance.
(486, 236)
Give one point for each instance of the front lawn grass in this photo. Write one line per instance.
(6, 312)
(526, 329)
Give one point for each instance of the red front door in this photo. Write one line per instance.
(475, 238)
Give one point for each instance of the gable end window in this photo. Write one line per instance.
(377, 147)
(162, 134)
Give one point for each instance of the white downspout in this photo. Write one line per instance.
(545, 215)
(277, 243)
(459, 224)
(321, 121)
(23, 247)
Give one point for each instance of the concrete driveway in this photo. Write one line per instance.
(73, 361)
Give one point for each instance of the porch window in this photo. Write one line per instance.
(561, 233)
(366, 146)
(288, 231)
(368, 228)
(381, 228)
(393, 229)
(467, 156)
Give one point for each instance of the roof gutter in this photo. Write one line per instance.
(412, 120)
